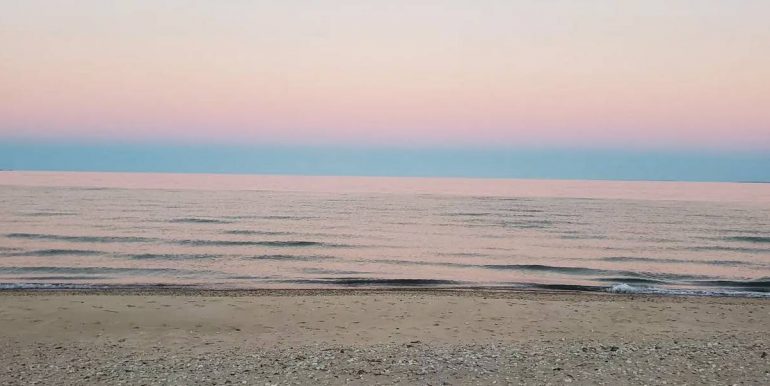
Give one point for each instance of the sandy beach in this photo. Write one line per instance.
(379, 337)
(384, 193)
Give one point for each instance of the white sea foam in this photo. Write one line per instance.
(623, 288)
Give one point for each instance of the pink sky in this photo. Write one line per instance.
(586, 73)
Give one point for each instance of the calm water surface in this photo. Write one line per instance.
(96, 229)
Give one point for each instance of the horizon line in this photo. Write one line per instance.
(393, 176)
(521, 163)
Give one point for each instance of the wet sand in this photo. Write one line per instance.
(384, 337)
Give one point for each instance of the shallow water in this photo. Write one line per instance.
(93, 229)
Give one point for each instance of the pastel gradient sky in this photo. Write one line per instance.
(652, 74)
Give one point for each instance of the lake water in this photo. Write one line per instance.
(74, 230)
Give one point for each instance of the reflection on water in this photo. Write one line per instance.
(73, 229)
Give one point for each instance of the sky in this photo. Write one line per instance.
(517, 88)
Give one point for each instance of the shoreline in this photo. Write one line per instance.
(486, 292)
(376, 336)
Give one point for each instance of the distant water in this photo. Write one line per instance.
(76, 230)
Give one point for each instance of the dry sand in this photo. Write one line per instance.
(382, 337)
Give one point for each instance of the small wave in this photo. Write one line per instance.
(641, 259)
(163, 256)
(277, 244)
(80, 239)
(565, 287)
(79, 286)
(546, 268)
(242, 217)
(64, 277)
(534, 224)
(596, 271)
(749, 239)
(631, 280)
(289, 257)
(583, 237)
(423, 263)
(22, 286)
(762, 285)
(223, 243)
(57, 252)
(277, 217)
(462, 254)
(525, 210)
(364, 282)
(250, 277)
(675, 261)
(323, 271)
(261, 233)
(47, 214)
(730, 249)
(94, 271)
(195, 220)
(737, 230)
(501, 199)
(522, 215)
